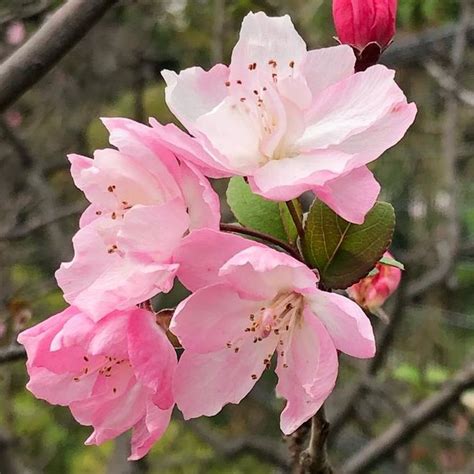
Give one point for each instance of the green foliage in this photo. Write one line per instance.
(344, 252)
(257, 213)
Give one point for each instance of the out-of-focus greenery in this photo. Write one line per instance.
(115, 72)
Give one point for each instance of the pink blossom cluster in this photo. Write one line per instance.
(289, 120)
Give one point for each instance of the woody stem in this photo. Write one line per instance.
(237, 229)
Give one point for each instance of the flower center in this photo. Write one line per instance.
(278, 317)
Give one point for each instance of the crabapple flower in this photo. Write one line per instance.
(115, 374)
(292, 120)
(144, 198)
(360, 22)
(251, 303)
(372, 291)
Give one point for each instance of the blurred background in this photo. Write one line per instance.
(429, 178)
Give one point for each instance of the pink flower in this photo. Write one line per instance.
(372, 291)
(114, 374)
(249, 303)
(360, 22)
(143, 200)
(15, 33)
(292, 120)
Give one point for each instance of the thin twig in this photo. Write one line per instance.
(236, 229)
(403, 431)
(296, 218)
(63, 30)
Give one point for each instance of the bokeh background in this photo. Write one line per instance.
(429, 178)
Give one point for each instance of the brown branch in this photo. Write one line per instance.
(314, 459)
(415, 48)
(63, 30)
(237, 229)
(12, 354)
(37, 224)
(415, 420)
(448, 83)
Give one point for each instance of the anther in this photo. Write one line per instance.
(292, 64)
(239, 81)
(236, 350)
(254, 376)
(227, 83)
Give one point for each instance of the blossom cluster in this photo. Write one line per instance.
(287, 119)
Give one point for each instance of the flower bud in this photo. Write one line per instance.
(372, 291)
(366, 25)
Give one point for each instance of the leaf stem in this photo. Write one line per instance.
(296, 218)
(237, 229)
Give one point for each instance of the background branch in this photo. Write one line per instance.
(47, 46)
(416, 419)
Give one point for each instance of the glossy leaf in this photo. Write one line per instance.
(344, 252)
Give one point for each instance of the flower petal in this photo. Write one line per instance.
(195, 92)
(288, 178)
(148, 430)
(201, 200)
(350, 107)
(152, 356)
(309, 375)
(262, 273)
(204, 383)
(327, 66)
(351, 195)
(348, 325)
(211, 318)
(214, 248)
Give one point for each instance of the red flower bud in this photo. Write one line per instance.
(372, 291)
(360, 22)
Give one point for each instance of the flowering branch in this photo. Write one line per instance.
(12, 354)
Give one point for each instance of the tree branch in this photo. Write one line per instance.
(402, 431)
(314, 459)
(66, 27)
(12, 354)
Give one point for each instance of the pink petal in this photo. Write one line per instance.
(145, 147)
(350, 107)
(195, 92)
(111, 417)
(327, 66)
(388, 131)
(211, 318)
(204, 383)
(351, 195)
(152, 356)
(262, 273)
(285, 179)
(190, 150)
(214, 249)
(310, 374)
(148, 430)
(153, 232)
(201, 200)
(234, 133)
(348, 325)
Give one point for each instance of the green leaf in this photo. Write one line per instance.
(391, 262)
(344, 252)
(253, 211)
